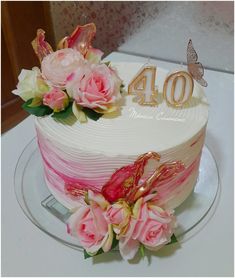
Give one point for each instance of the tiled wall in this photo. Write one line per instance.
(155, 29)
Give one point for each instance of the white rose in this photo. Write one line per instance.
(30, 84)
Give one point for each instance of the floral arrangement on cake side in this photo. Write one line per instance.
(72, 79)
(126, 212)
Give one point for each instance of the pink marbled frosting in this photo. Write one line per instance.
(92, 173)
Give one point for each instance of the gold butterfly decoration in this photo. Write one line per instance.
(195, 68)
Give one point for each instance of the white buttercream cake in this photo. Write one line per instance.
(90, 153)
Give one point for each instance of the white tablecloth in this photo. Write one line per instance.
(27, 251)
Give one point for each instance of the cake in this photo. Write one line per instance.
(90, 153)
(121, 165)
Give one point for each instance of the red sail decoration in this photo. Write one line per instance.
(41, 47)
(80, 39)
(125, 183)
(125, 180)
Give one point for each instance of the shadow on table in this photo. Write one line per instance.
(166, 251)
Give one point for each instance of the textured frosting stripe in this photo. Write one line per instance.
(170, 198)
(94, 175)
(97, 170)
(97, 183)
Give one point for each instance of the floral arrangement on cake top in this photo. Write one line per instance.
(126, 213)
(72, 79)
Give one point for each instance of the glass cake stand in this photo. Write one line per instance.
(34, 198)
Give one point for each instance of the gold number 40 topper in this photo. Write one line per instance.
(177, 88)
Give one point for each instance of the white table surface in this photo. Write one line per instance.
(27, 251)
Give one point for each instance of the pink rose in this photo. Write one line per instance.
(94, 86)
(151, 226)
(57, 66)
(56, 99)
(119, 214)
(89, 225)
(157, 229)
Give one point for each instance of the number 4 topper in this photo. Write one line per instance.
(143, 85)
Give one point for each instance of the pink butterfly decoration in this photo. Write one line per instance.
(195, 68)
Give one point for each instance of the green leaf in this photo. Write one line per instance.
(86, 198)
(115, 241)
(37, 101)
(88, 255)
(38, 111)
(173, 240)
(122, 90)
(28, 102)
(63, 114)
(107, 63)
(92, 114)
(142, 250)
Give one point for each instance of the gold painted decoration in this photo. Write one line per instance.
(41, 47)
(178, 88)
(195, 68)
(143, 86)
(80, 39)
